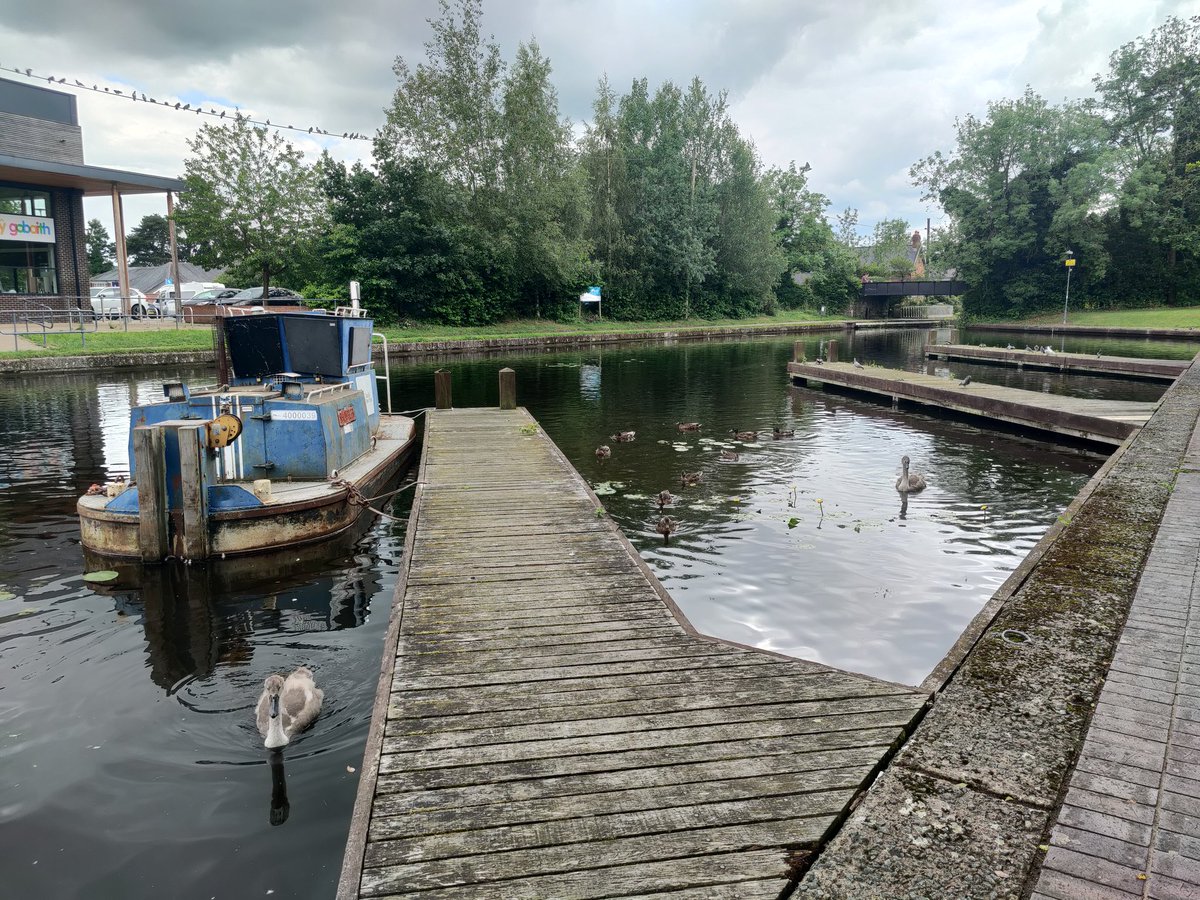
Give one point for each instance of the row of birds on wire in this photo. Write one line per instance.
(180, 106)
(909, 482)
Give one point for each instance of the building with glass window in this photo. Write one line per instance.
(43, 180)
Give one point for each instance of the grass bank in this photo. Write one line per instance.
(1162, 317)
(200, 337)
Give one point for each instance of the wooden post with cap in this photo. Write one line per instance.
(508, 389)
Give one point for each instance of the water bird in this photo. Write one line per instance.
(1010, 347)
(1048, 349)
(664, 498)
(1028, 349)
(729, 456)
(688, 426)
(909, 482)
(778, 433)
(965, 381)
(622, 437)
(287, 706)
(603, 452)
(665, 526)
(743, 435)
(857, 364)
(690, 478)
(819, 361)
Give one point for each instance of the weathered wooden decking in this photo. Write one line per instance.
(1130, 823)
(548, 726)
(1103, 421)
(1124, 366)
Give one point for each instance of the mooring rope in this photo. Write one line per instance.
(356, 497)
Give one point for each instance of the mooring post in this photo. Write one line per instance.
(441, 389)
(150, 471)
(831, 351)
(508, 389)
(798, 351)
(193, 491)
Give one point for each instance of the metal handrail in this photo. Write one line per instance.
(386, 377)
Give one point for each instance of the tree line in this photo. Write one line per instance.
(1112, 179)
(482, 202)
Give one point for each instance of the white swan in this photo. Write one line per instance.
(287, 706)
(909, 483)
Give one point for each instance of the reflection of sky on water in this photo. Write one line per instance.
(589, 381)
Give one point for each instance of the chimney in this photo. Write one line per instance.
(916, 239)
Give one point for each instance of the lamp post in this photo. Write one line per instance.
(1070, 264)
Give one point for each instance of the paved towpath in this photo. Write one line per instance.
(1130, 824)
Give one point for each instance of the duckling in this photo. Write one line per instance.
(743, 435)
(603, 452)
(287, 706)
(664, 499)
(665, 526)
(690, 478)
(778, 433)
(909, 482)
(729, 456)
(688, 426)
(622, 437)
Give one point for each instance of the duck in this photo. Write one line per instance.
(743, 435)
(665, 526)
(287, 706)
(909, 482)
(664, 499)
(622, 437)
(690, 478)
(688, 426)
(603, 452)
(779, 434)
(729, 456)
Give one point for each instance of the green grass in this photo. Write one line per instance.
(107, 342)
(1173, 317)
(192, 338)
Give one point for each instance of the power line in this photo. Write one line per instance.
(180, 106)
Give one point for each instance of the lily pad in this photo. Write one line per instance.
(604, 488)
(793, 522)
(101, 577)
(7, 595)
(28, 611)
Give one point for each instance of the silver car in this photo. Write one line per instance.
(107, 303)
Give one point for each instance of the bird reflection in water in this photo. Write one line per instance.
(904, 506)
(280, 808)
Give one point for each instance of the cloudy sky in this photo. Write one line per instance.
(858, 88)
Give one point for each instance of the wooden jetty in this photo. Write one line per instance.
(1102, 421)
(548, 724)
(1124, 366)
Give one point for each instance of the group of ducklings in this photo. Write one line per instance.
(666, 524)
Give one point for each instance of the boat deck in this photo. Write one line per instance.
(1124, 366)
(1102, 421)
(548, 724)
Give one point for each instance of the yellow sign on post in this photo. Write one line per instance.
(1070, 262)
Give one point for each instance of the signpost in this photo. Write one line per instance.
(593, 296)
(1070, 264)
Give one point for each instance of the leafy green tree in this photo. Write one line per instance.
(889, 249)
(100, 248)
(251, 203)
(846, 231)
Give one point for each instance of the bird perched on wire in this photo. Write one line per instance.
(965, 381)
(857, 364)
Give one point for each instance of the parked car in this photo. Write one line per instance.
(277, 297)
(211, 296)
(107, 302)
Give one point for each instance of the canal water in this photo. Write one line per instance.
(130, 766)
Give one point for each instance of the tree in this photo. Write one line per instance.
(149, 244)
(889, 249)
(100, 248)
(847, 228)
(251, 203)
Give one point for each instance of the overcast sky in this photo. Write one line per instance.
(860, 89)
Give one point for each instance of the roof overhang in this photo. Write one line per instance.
(94, 181)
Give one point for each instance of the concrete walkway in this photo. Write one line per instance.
(1130, 823)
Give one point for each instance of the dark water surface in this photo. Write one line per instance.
(129, 762)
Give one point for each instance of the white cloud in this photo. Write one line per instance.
(861, 89)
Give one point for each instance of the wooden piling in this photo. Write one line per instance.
(508, 389)
(442, 394)
(798, 351)
(150, 470)
(194, 492)
(831, 351)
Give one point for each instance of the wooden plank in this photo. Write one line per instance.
(1102, 421)
(554, 727)
(1129, 367)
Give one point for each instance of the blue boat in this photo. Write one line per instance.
(289, 449)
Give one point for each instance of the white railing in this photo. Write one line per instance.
(928, 311)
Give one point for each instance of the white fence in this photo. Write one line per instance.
(929, 311)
